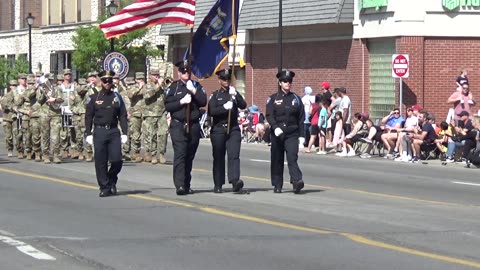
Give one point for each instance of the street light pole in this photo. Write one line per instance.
(112, 10)
(30, 19)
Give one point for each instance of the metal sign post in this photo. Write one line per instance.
(400, 69)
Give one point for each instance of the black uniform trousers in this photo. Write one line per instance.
(108, 147)
(184, 149)
(280, 145)
(221, 143)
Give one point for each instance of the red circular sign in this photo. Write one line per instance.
(400, 65)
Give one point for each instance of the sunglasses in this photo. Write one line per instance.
(396, 112)
(286, 81)
(107, 80)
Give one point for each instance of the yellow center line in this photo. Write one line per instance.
(353, 237)
(261, 179)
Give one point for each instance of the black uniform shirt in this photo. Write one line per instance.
(106, 108)
(285, 111)
(176, 91)
(219, 113)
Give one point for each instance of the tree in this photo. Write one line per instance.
(9, 71)
(91, 46)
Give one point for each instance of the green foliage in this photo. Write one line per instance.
(91, 46)
(10, 73)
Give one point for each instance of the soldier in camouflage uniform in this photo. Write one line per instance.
(9, 116)
(17, 96)
(24, 103)
(35, 119)
(154, 96)
(93, 87)
(51, 124)
(136, 107)
(126, 148)
(67, 134)
(79, 109)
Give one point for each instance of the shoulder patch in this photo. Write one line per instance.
(268, 99)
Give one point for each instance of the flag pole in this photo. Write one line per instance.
(187, 110)
(233, 78)
(280, 36)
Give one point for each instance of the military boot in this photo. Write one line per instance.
(57, 160)
(38, 157)
(162, 159)
(10, 153)
(137, 157)
(148, 157)
(65, 154)
(29, 155)
(20, 154)
(46, 159)
(80, 156)
(89, 157)
(154, 159)
(74, 154)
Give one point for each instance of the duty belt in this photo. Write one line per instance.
(105, 126)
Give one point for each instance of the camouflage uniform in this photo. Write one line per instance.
(154, 122)
(51, 124)
(123, 91)
(36, 122)
(136, 102)
(9, 116)
(79, 108)
(18, 99)
(92, 89)
(67, 134)
(26, 100)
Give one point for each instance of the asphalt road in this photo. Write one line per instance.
(353, 214)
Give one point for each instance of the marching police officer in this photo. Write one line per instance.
(104, 110)
(285, 114)
(225, 135)
(184, 100)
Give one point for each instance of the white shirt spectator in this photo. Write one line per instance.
(411, 122)
(307, 101)
(346, 104)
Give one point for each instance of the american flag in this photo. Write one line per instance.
(144, 13)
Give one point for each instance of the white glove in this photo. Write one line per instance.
(190, 87)
(301, 141)
(124, 138)
(89, 139)
(232, 91)
(228, 105)
(186, 99)
(278, 132)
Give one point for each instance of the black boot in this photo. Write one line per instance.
(297, 186)
(237, 186)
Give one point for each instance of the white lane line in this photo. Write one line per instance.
(26, 248)
(466, 183)
(264, 161)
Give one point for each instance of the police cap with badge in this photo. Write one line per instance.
(183, 66)
(285, 75)
(106, 76)
(224, 74)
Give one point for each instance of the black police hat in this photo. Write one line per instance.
(182, 64)
(224, 74)
(106, 74)
(285, 75)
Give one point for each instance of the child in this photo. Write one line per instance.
(463, 80)
(314, 130)
(338, 133)
(322, 124)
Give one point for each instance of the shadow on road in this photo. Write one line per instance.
(132, 192)
(7, 161)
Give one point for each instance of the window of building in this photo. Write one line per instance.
(11, 60)
(54, 12)
(79, 10)
(382, 85)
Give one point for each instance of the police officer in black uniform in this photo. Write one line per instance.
(184, 100)
(104, 110)
(225, 102)
(285, 114)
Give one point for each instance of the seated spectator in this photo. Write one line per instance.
(424, 136)
(360, 130)
(410, 123)
(470, 139)
(465, 125)
(256, 120)
(374, 134)
(443, 137)
(392, 123)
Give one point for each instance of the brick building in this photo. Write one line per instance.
(440, 40)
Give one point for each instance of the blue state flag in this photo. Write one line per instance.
(210, 44)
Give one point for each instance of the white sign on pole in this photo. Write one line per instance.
(400, 65)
